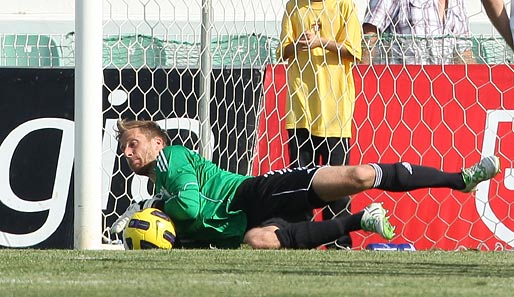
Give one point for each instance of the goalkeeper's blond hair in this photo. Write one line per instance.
(149, 128)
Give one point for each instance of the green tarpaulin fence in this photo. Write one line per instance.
(227, 51)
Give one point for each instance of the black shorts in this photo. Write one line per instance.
(285, 194)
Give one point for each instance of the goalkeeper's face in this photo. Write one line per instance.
(140, 150)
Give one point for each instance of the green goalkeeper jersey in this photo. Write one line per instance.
(197, 195)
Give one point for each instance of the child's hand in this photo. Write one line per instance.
(308, 40)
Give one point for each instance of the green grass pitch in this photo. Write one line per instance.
(245, 272)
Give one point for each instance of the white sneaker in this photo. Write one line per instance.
(375, 220)
(486, 169)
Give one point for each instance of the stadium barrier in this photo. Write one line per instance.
(228, 51)
(28, 50)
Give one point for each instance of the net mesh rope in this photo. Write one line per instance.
(154, 65)
(238, 142)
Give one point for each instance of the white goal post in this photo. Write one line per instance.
(88, 125)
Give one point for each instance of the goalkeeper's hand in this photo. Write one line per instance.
(123, 220)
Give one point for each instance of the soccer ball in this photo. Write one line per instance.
(149, 228)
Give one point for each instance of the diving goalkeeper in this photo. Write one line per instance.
(216, 207)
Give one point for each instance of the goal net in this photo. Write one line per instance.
(442, 115)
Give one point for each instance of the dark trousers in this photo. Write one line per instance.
(306, 150)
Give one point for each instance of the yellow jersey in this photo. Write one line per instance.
(320, 82)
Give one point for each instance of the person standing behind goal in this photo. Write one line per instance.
(497, 13)
(320, 40)
(421, 32)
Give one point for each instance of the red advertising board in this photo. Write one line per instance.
(442, 116)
